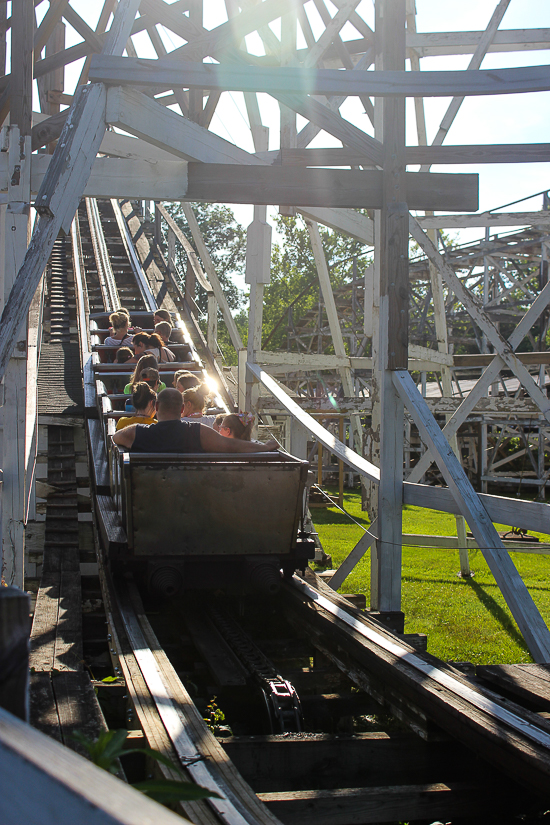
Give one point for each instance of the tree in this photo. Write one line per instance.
(226, 243)
(294, 288)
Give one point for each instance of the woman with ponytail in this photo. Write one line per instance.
(143, 401)
(145, 344)
(194, 405)
(237, 425)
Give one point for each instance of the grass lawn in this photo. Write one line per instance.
(465, 619)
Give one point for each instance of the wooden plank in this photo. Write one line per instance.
(466, 42)
(77, 708)
(224, 665)
(483, 360)
(354, 557)
(500, 731)
(369, 759)
(287, 79)
(332, 187)
(345, 221)
(529, 683)
(517, 596)
(501, 510)
(187, 730)
(432, 155)
(354, 806)
(43, 633)
(438, 406)
(486, 219)
(68, 635)
(146, 119)
(116, 177)
(35, 768)
(143, 704)
(43, 709)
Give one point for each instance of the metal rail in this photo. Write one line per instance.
(106, 277)
(522, 737)
(141, 280)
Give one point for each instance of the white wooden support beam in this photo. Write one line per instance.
(517, 596)
(64, 184)
(354, 557)
(502, 347)
(475, 63)
(212, 324)
(346, 221)
(146, 119)
(212, 276)
(356, 462)
(393, 289)
(492, 219)
(476, 394)
(15, 237)
(258, 270)
(294, 86)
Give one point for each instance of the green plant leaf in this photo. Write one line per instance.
(167, 790)
(153, 754)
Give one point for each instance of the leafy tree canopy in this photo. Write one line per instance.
(225, 240)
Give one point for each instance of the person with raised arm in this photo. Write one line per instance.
(172, 435)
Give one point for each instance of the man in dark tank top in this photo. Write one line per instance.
(172, 435)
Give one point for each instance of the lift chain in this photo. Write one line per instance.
(282, 701)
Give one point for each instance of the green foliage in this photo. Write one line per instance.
(214, 715)
(108, 748)
(465, 619)
(294, 281)
(166, 790)
(226, 243)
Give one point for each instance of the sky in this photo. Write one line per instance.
(485, 120)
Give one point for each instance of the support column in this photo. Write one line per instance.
(15, 234)
(258, 274)
(393, 322)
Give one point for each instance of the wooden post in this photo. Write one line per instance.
(15, 628)
(393, 323)
(341, 463)
(15, 237)
(258, 274)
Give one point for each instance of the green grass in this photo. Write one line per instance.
(465, 619)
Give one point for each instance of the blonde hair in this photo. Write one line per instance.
(197, 397)
(119, 319)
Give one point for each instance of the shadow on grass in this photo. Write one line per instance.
(329, 517)
(488, 602)
(497, 612)
(459, 582)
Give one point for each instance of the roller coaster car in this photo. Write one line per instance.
(211, 520)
